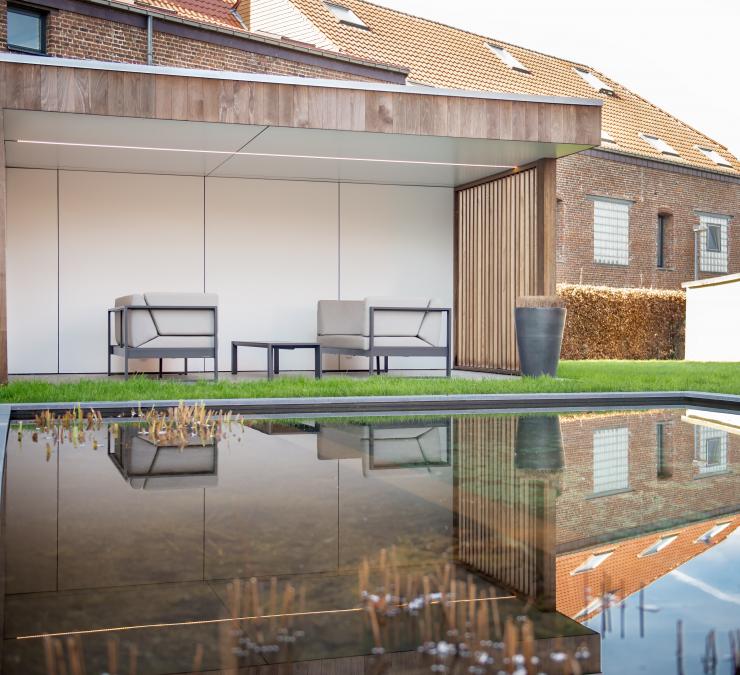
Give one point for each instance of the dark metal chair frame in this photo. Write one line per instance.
(160, 353)
(376, 352)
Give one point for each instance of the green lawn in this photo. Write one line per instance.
(575, 376)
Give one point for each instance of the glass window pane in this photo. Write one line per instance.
(714, 241)
(24, 29)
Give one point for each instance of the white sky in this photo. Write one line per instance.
(681, 55)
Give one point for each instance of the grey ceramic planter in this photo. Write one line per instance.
(539, 336)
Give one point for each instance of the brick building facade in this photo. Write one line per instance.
(653, 190)
(626, 212)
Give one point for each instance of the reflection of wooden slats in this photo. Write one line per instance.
(505, 248)
(505, 523)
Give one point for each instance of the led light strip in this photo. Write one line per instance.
(241, 153)
(205, 622)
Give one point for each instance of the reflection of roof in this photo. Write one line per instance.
(625, 570)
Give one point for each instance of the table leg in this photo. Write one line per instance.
(317, 362)
(270, 356)
(233, 359)
(276, 366)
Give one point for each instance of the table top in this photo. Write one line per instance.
(274, 343)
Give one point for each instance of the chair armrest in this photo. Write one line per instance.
(424, 310)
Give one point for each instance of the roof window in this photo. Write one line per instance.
(346, 15)
(507, 57)
(594, 81)
(712, 154)
(592, 562)
(659, 144)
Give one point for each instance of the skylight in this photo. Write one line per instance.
(594, 81)
(659, 144)
(659, 545)
(709, 153)
(711, 534)
(606, 137)
(508, 58)
(592, 562)
(345, 15)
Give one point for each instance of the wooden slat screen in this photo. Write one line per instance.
(505, 517)
(498, 257)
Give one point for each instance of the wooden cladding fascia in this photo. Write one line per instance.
(504, 248)
(148, 95)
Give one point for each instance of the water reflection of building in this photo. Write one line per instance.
(639, 493)
(643, 493)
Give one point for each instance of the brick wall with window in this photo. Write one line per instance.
(591, 246)
(73, 35)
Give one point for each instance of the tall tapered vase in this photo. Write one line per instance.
(540, 322)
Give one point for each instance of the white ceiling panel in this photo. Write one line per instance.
(124, 144)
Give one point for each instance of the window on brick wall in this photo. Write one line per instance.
(611, 460)
(710, 450)
(714, 243)
(26, 29)
(611, 230)
(663, 462)
(661, 240)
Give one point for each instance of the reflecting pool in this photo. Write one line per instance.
(556, 543)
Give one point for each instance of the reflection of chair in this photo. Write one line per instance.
(146, 466)
(401, 445)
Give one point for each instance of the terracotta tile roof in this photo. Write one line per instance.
(212, 12)
(443, 56)
(624, 572)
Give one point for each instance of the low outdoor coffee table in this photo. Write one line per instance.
(273, 354)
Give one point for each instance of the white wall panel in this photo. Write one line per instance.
(32, 270)
(396, 241)
(121, 234)
(713, 320)
(271, 254)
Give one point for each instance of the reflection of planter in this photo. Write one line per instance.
(539, 336)
(539, 444)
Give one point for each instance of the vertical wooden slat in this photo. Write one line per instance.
(3, 275)
(504, 248)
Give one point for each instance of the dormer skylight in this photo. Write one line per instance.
(712, 154)
(659, 144)
(346, 15)
(606, 137)
(594, 81)
(592, 562)
(507, 57)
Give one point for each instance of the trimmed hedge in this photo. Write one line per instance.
(623, 323)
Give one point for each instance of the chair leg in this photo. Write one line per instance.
(160, 369)
(186, 366)
(108, 361)
(370, 366)
(125, 366)
(386, 364)
(215, 366)
(377, 364)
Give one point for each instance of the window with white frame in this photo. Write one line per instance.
(711, 153)
(611, 231)
(712, 533)
(611, 460)
(592, 562)
(507, 57)
(659, 144)
(658, 546)
(594, 81)
(710, 450)
(345, 15)
(714, 240)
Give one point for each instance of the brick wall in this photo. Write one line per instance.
(653, 191)
(72, 35)
(652, 501)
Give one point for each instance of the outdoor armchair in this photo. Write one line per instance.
(378, 326)
(164, 325)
